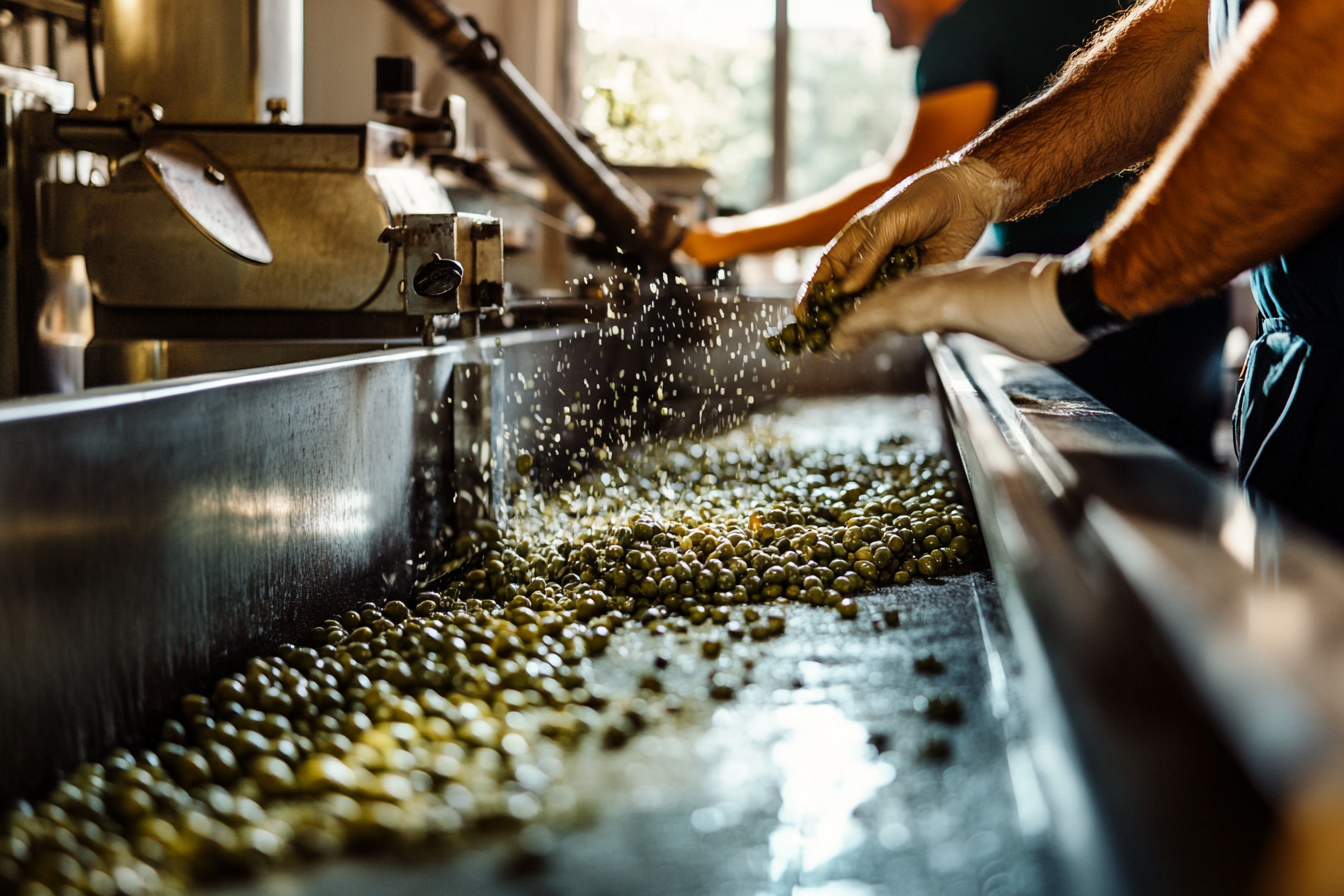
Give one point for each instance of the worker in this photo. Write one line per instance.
(979, 59)
(1244, 169)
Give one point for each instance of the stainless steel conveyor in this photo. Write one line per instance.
(1148, 661)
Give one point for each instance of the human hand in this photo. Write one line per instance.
(706, 245)
(1012, 301)
(943, 211)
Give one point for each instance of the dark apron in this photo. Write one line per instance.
(1289, 420)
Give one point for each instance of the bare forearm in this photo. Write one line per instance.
(806, 222)
(945, 121)
(1255, 167)
(1107, 111)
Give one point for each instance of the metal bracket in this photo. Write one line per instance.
(431, 244)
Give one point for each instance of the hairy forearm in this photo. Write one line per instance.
(1255, 167)
(1107, 110)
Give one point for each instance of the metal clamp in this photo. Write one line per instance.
(451, 263)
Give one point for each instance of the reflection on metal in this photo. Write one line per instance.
(473, 457)
(57, 95)
(205, 190)
(824, 766)
(23, 288)
(1238, 532)
(828, 769)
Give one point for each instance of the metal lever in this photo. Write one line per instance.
(438, 277)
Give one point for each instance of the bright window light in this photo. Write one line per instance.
(691, 83)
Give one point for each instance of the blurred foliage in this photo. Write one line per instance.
(850, 96)
(668, 100)
(659, 102)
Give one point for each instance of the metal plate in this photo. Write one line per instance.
(324, 225)
(204, 189)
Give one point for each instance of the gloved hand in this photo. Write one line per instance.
(943, 210)
(1011, 301)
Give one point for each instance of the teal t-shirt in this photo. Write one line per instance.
(1018, 45)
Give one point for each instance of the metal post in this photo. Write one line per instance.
(779, 163)
(472, 444)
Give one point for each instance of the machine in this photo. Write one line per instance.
(216, 235)
(321, 376)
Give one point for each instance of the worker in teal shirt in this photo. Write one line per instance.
(1238, 114)
(978, 60)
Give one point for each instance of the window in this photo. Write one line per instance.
(694, 81)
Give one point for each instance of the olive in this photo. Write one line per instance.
(273, 775)
(935, 749)
(825, 304)
(942, 709)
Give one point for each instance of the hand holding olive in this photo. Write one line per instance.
(943, 210)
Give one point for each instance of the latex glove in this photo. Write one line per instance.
(944, 210)
(1011, 301)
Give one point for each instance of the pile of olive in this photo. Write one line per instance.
(826, 304)
(717, 524)
(404, 726)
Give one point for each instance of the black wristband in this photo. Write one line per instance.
(1078, 297)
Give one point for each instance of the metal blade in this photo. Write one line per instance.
(205, 190)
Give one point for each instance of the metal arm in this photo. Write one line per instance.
(627, 220)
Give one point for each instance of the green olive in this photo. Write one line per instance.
(825, 304)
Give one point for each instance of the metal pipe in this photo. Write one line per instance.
(627, 220)
(779, 162)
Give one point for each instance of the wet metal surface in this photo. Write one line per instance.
(814, 778)
(809, 782)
